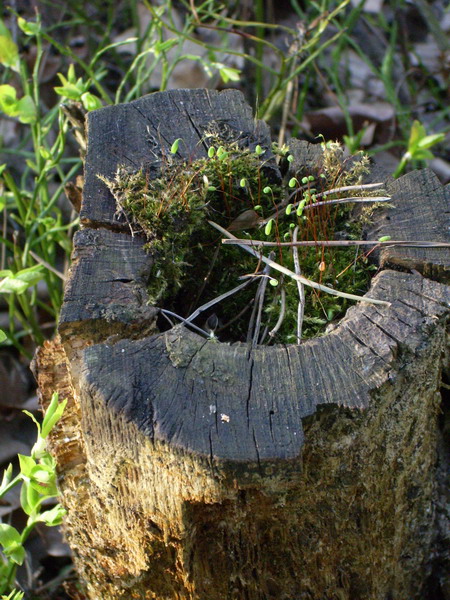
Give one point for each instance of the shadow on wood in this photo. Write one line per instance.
(192, 469)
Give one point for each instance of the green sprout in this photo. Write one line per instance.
(418, 147)
(38, 479)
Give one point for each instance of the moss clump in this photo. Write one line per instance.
(192, 267)
(172, 208)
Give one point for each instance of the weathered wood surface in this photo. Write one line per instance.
(208, 471)
(143, 131)
(421, 210)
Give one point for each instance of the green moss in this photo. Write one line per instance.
(192, 267)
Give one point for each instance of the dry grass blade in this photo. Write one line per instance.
(216, 300)
(291, 274)
(342, 243)
(301, 290)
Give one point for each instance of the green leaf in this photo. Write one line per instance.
(39, 449)
(288, 209)
(7, 478)
(384, 238)
(10, 539)
(69, 90)
(21, 281)
(422, 155)
(44, 153)
(8, 100)
(14, 595)
(430, 140)
(28, 27)
(43, 480)
(292, 182)
(9, 52)
(8, 535)
(211, 152)
(71, 75)
(3, 336)
(417, 133)
(31, 275)
(26, 110)
(33, 418)
(30, 499)
(273, 282)
(10, 285)
(267, 189)
(52, 414)
(90, 102)
(230, 74)
(54, 516)
(27, 464)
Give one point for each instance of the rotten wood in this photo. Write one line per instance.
(197, 470)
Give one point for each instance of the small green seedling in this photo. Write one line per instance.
(419, 145)
(38, 478)
(76, 89)
(14, 595)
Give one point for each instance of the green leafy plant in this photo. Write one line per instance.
(418, 147)
(34, 231)
(14, 595)
(37, 477)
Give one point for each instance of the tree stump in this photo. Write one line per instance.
(196, 470)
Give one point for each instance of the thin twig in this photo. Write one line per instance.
(346, 188)
(257, 307)
(278, 324)
(166, 312)
(344, 243)
(261, 302)
(218, 299)
(293, 275)
(301, 290)
(48, 266)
